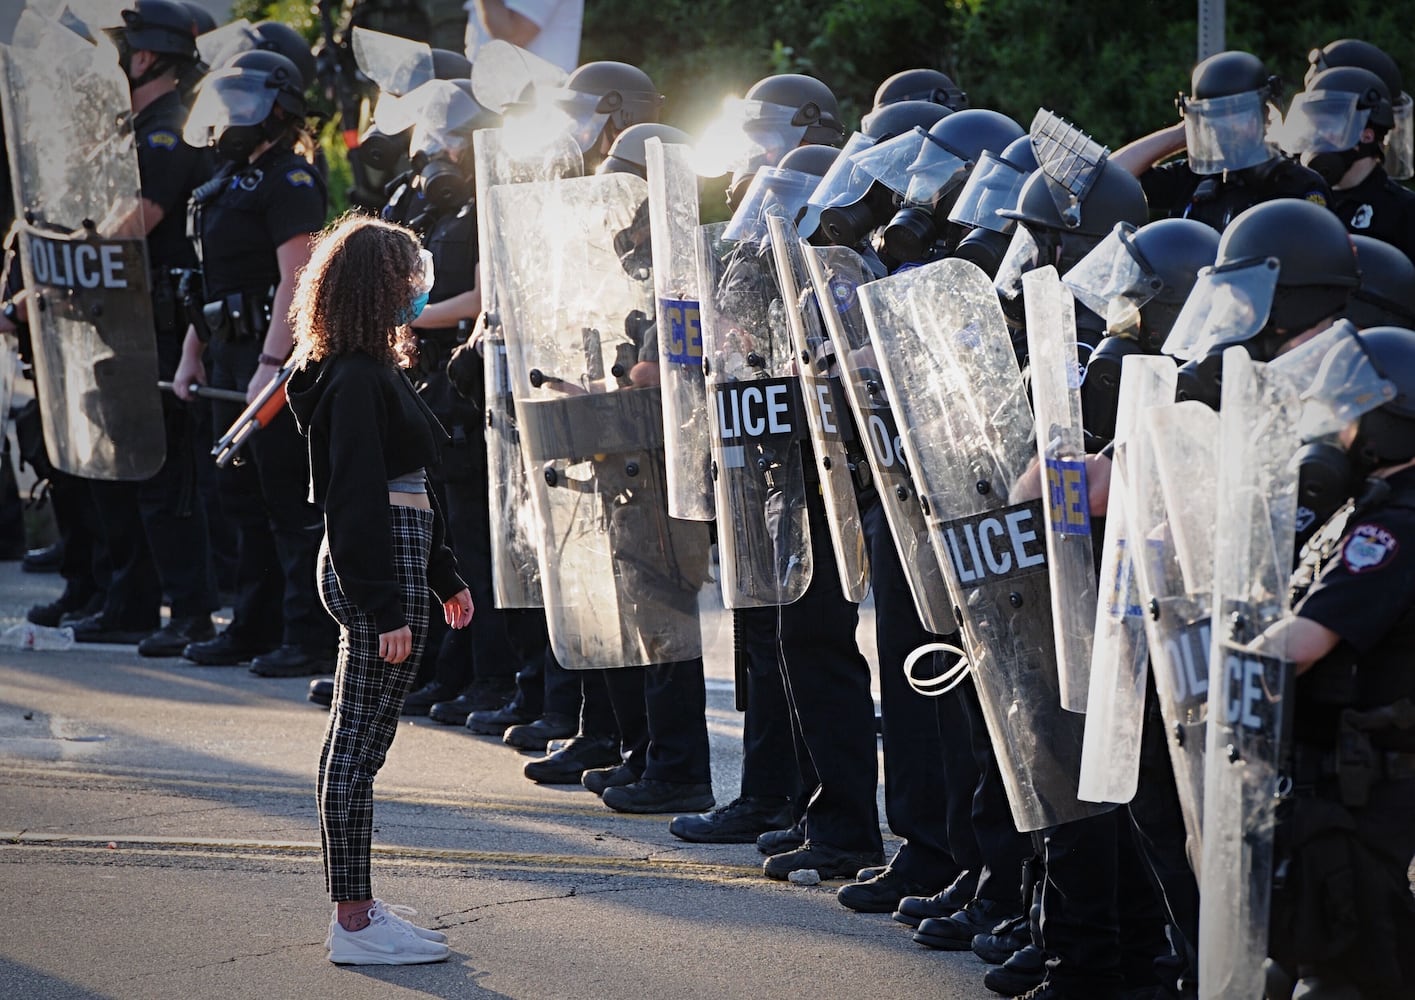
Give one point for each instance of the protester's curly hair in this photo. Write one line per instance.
(354, 292)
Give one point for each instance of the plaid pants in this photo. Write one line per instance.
(368, 697)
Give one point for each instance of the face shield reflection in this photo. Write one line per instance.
(993, 184)
(1226, 133)
(844, 183)
(1400, 141)
(1226, 306)
(230, 98)
(1336, 379)
(1112, 280)
(745, 136)
(772, 189)
(889, 162)
(1022, 255)
(934, 173)
(1322, 121)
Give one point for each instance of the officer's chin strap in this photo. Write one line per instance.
(933, 687)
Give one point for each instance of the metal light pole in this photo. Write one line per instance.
(1211, 38)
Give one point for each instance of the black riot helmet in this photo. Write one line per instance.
(1386, 295)
(623, 93)
(277, 36)
(1372, 93)
(1355, 52)
(1114, 196)
(951, 148)
(162, 26)
(627, 155)
(256, 96)
(1326, 123)
(816, 107)
(1283, 267)
(201, 17)
(1386, 435)
(896, 119)
(1226, 113)
(920, 85)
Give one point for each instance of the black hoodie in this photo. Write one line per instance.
(366, 425)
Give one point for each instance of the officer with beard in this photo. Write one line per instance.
(1229, 165)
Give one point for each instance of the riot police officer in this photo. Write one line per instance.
(252, 225)
(1339, 126)
(1350, 826)
(1386, 295)
(155, 532)
(1229, 164)
(920, 84)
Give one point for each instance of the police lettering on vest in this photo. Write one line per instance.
(73, 264)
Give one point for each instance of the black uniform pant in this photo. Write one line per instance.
(926, 752)
(811, 643)
(1003, 850)
(661, 711)
(278, 529)
(1158, 824)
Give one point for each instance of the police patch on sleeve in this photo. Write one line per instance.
(300, 178)
(162, 139)
(1317, 198)
(1367, 548)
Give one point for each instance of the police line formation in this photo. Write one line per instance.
(1134, 498)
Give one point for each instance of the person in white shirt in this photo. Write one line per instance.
(547, 28)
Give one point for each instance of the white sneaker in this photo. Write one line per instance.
(385, 941)
(396, 913)
(400, 914)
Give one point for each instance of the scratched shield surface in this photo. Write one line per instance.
(68, 128)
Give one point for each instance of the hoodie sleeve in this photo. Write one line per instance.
(356, 503)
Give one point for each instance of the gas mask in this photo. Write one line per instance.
(442, 182)
(848, 224)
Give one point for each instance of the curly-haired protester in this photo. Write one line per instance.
(370, 441)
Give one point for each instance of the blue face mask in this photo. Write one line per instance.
(413, 309)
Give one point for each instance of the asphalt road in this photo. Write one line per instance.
(158, 839)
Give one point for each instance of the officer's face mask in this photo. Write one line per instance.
(441, 181)
(847, 224)
(380, 151)
(984, 248)
(1332, 166)
(236, 143)
(633, 245)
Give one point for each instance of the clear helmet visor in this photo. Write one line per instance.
(397, 65)
(888, 162)
(844, 183)
(229, 98)
(1112, 280)
(1227, 133)
(934, 173)
(746, 136)
(1322, 121)
(1337, 381)
(1022, 256)
(435, 111)
(1227, 306)
(1400, 141)
(504, 75)
(579, 114)
(215, 48)
(773, 190)
(993, 184)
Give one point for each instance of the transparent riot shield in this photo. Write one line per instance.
(943, 348)
(839, 274)
(83, 251)
(827, 417)
(754, 399)
(1115, 707)
(619, 576)
(515, 570)
(1061, 452)
(1251, 681)
(673, 221)
(1171, 472)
